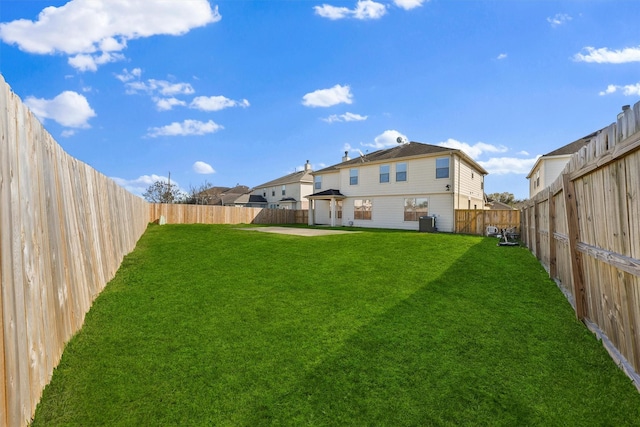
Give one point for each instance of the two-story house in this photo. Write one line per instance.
(549, 166)
(287, 192)
(393, 188)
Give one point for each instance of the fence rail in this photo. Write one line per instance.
(585, 230)
(476, 221)
(64, 229)
(204, 214)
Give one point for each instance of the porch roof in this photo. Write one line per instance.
(327, 195)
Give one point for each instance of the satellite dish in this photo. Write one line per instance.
(399, 140)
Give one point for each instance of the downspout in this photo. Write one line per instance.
(455, 192)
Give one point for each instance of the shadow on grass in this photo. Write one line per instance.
(492, 342)
(208, 325)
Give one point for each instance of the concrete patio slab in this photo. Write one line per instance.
(306, 232)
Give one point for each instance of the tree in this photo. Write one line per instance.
(199, 195)
(505, 197)
(163, 192)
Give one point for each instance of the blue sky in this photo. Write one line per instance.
(245, 91)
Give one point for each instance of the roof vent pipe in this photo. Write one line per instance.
(346, 156)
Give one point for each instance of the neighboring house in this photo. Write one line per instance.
(548, 167)
(496, 205)
(287, 192)
(249, 200)
(221, 196)
(393, 188)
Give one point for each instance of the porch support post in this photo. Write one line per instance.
(333, 211)
(311, 212)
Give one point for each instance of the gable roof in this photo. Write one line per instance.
(572, 147)
(331, 193)
(565, 151)
(292, 178)
(412, 149)
(222, 195)
(250, 198)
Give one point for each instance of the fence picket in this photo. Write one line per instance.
(596, 216)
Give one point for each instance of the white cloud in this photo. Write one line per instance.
(69, 109)
(365, 9)
(84, 62)
(203, 168)
(92, 31)
(162, 87)
(502, 56)
(332, 12)
(129, 75)
(166, 104)
(67, 133)
(627, 90)
(388, 138)
(346, 117)
(559, 19)
(216, 103)
(328, 97)
(494, 165)
(508, 165)
(605, 56)
(409, 4)
(474, 151)
(186, 128)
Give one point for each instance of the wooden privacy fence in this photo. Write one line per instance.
(476, 221)
(585, 230)
(64, 230)
(204, 214)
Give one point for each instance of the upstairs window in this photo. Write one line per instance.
(317, 182)
(401, 172)
(384, 173)
(284, 190)
(442, 167)
(353, 177)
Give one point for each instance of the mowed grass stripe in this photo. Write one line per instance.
(210, 325)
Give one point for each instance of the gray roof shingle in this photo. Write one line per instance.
(300, 176)
(572, 147)
(411, 149)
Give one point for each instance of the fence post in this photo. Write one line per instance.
(553, 266)
(536, 226)
(577, 274)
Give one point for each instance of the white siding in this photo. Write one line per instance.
(550, 169)
(322, 211)
(297, 190)
(468, 186)
(330, 181)
(388, 197)
(388, 212)
(421, 179)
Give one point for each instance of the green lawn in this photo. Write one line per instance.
(211, 325)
